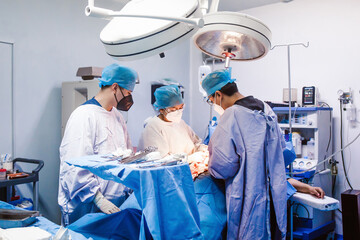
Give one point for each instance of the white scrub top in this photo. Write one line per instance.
(90, 130)
(169, 137)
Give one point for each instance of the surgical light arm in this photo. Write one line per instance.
(92, 11)
(214, 6)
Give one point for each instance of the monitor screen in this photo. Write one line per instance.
(308, 95)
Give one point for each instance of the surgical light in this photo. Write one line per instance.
(144, 28)
(232, 35)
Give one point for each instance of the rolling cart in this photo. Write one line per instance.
(33, 177)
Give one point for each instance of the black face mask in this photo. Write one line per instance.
(125, 103)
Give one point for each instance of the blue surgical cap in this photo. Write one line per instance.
(125, 77)
(216, 80)
(167, 96)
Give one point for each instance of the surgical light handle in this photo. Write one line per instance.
(92, 11)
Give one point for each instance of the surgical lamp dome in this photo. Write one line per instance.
(129, 38)
(245, 37)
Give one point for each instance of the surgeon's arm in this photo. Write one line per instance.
(194, 138)
(306, 188)
(224, 160)
(80, 184)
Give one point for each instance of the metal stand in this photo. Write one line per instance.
(32, 178)
(290, 123)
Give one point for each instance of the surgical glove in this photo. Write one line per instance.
(105, 205)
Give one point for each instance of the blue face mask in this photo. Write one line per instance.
(125, 103)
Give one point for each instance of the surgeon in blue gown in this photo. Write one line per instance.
(246, 150)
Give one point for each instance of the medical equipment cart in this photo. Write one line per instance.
(33, 177)
(314, 126)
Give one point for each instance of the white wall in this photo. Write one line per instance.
(52, 40)
(331, 63)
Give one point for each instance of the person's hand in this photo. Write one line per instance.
(316, 191)
(105, 205)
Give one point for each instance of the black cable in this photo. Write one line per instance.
(330, 135)
(333, 185)
(339, 210)
(341, 145)
(300, 204)
(327, 149)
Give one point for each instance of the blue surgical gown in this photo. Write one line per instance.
(246, 150)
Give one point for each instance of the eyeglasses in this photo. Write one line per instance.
(173, 109)
(209, 102)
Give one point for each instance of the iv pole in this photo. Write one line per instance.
(290, 120)
(289, 74)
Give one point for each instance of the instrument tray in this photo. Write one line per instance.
(11, 218)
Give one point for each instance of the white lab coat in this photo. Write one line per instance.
(169, 137)
(90, 130)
